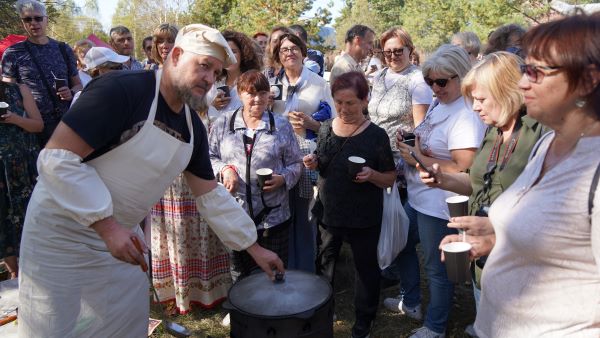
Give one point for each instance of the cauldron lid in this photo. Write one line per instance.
(299, 292)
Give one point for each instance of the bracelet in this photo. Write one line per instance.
(229, 166)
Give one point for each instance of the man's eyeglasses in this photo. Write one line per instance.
(440, 82)
(285, 50)
(147, 49)
(535, 73)
(396, 52)
(29, 19)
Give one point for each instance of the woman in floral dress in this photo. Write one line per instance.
(18, 153)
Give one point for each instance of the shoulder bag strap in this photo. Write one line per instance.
(63, 50)
(42, 76)
(593, 189)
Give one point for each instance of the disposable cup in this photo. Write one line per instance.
(456, 255)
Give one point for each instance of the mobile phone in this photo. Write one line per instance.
(225, 90)
(412, 153)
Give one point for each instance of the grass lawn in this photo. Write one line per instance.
(205, 323)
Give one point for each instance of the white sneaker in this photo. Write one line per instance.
(424, 332)
(226, 321)
(396, 305)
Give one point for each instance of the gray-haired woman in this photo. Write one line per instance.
(449, 135)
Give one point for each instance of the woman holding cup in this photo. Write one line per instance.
(492, 88)
(246, 140)
(350, 204)
(449, 135)
(542, 277)
(306, 102)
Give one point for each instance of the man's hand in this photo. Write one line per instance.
(118, 241)
(267, 260)
(65, 93)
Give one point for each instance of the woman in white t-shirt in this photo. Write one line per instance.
(400, 98)
(449, 134)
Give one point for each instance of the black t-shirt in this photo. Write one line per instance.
(113, 108)
(348, 204)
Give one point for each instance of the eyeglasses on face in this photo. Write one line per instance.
(535, 73)
(148, 48)
(286, 50)
(440, 82)
(396, 52)
(29, 19)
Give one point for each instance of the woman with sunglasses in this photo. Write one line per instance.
(399, 98)
(492, 87)
(543, 276)
(450, 135)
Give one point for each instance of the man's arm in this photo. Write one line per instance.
(230, 222)
(88, 201)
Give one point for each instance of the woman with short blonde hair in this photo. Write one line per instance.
(499, 73)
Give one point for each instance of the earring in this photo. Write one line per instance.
(580, 103)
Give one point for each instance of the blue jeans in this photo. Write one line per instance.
(431, 231)
(406, 265)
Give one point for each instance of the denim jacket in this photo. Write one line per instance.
(277, 150)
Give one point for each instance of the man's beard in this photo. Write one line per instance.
(197, 103)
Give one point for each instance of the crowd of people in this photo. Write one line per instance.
(162, 157)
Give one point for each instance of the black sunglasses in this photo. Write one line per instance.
(440, 82)
(396, 52)
(29, 19)
(535, 73)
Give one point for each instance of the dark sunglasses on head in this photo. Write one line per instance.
(535, 73)
(396, 52)
(29, 19)
(440, 82)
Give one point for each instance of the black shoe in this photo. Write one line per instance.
(361, 330)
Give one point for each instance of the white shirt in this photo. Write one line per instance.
(446, 127)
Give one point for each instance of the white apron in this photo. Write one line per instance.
(70, 285)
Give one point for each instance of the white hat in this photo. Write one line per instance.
(97, 56)
(204, 40)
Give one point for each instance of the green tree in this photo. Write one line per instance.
(251, 16)
(213, 13)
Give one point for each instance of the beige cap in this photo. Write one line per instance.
(204, 40)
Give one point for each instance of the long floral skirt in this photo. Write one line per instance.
(189, 263)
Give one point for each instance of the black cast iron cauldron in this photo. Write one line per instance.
(299, 306)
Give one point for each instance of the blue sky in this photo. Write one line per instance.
(107, 8)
